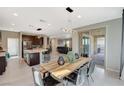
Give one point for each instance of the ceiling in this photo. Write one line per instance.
(53, 19)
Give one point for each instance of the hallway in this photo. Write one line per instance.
(99, 59)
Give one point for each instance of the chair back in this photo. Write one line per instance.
(91, 68)
(82, 74)
(37, 77)
(71, 57)
(76, 56)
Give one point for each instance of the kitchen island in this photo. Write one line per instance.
(34, 56)
(3, 62)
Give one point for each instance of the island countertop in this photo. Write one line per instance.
(36, 50)
(3, 53)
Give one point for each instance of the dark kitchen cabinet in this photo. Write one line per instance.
(3, 64)
(33, 59)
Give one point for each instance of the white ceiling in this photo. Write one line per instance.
(28, 19)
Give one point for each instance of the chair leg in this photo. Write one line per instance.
(65, 82)
(87, 78)
(91, 78)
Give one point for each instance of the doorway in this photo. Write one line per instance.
(13, 47)
(100, 44)
(100, 50)
(92, 43)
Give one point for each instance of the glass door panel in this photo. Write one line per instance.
(85, 42)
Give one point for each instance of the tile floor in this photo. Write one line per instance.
(99, 59)
(20, 74)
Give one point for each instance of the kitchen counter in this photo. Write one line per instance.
(2, 53)
(34, 56)
(36, 50)
(3, 62)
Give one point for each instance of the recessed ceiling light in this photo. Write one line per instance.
(79, 16)
(39, 29)
(49, 24)
(13, 24)
(15, 14)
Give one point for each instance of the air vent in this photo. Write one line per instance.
(39, 29)
(69, 9)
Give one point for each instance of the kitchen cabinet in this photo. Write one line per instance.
(3, 63)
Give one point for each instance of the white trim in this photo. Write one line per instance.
(114, 70)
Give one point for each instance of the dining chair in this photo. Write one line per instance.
(72, 77)
(71, 57)
(76, 56)
(38, 81)
(46, 55)
(90, 70)
(80, 77)
(46, 81)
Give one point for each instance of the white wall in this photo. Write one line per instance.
(45, 42)
(54, 42)
(5, 35)
(113, 42)
(75, 42)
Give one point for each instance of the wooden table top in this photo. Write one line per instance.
(60, 72)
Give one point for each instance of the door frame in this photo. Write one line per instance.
(104, 47)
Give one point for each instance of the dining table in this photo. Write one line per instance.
(59, 72)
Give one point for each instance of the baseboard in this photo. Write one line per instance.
(114, 70)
